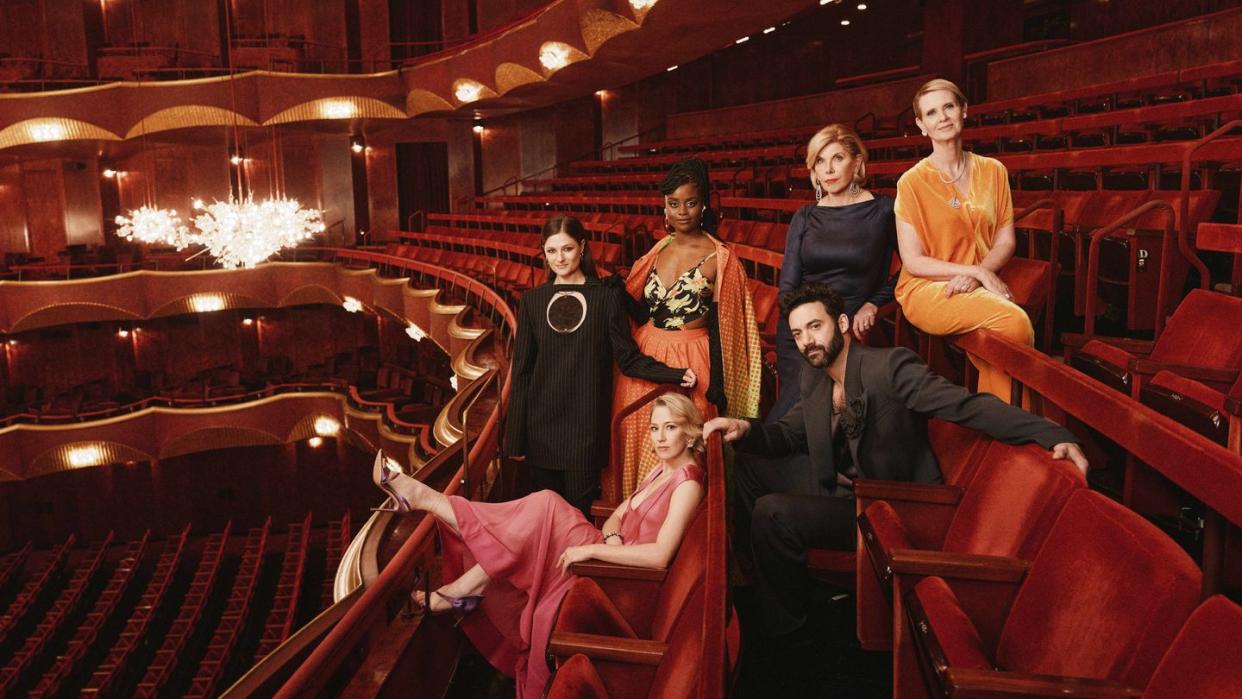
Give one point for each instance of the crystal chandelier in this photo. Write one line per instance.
(147, 224)
(244, 233)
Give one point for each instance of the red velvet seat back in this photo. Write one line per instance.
(1012, 502)
(678, 673)
(1104, 598)
(1203, 660)
(684, 577)
(958, 450)
(1203, 331)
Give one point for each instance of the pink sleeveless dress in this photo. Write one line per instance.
(518, 544)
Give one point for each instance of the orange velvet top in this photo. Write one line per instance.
(964, 235)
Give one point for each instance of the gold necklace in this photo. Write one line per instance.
(961, 170)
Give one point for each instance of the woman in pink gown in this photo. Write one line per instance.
(517, 554)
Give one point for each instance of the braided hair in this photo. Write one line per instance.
(693, 171)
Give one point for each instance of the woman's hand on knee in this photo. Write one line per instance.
(864, 320)
(961, 284)
(993, 283)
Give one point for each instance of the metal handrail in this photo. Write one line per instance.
(1183, 231)
(1166, 268)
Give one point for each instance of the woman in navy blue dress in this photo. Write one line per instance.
(846, 240)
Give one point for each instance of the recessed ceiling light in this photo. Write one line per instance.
(742, 40)
(672, 68)
(845, 23)
(769, 30)
(862, 5)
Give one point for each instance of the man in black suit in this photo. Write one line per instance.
(862, 414)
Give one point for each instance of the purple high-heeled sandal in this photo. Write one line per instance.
(383, 474)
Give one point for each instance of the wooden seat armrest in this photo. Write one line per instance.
(601, 509)
(970, 682)
(1077, 340)
(910, 492)
(638, 651)
(966, 566)
(1149, 367)
(600, 569)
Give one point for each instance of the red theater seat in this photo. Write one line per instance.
(626, 602)
(1202, 662)
(1095, 610)
(1199, 342)
(1006, 510)
(620, 668)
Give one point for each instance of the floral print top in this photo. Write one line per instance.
(689, 299)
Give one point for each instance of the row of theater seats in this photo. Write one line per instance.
(1013, 577)
(85, 622)
(1212, 80)
(96, 399)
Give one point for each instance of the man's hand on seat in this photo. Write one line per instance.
(730, 429)
(1071, 451)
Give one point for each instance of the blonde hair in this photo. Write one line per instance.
(837, 133)
(938, 84)
(685, 414)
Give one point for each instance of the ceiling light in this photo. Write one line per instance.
(468, 91)
(207, 303)
(147, 224)
(845, 23)
(742, 40)
(352, 304)
(862, 5)
(85, 456)
(554, 56)
(47, 131)
(245, 233)
(338, 109)
(197, 204)
(327, 426)
(671, 69)
(769, 30)
(824, 2)
(641, 5)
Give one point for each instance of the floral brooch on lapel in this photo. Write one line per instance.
(852, 419)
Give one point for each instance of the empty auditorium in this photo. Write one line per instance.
(561, 349)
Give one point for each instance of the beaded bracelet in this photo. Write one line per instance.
(616, 534)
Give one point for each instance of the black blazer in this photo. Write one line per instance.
(892, 394)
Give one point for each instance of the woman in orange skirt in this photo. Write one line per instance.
(695, 311)
(955, 233)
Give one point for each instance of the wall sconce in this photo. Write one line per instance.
(357, 144)
(109, 173)
(477, 128)
(467, 91)
(352, 304)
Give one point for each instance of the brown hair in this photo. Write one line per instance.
(836, 133)
(686, 414)
(573, 228)
(934, 85)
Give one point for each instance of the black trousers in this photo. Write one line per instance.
(579, 488)
(784, 511)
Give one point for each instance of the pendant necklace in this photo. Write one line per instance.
(961, 170)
